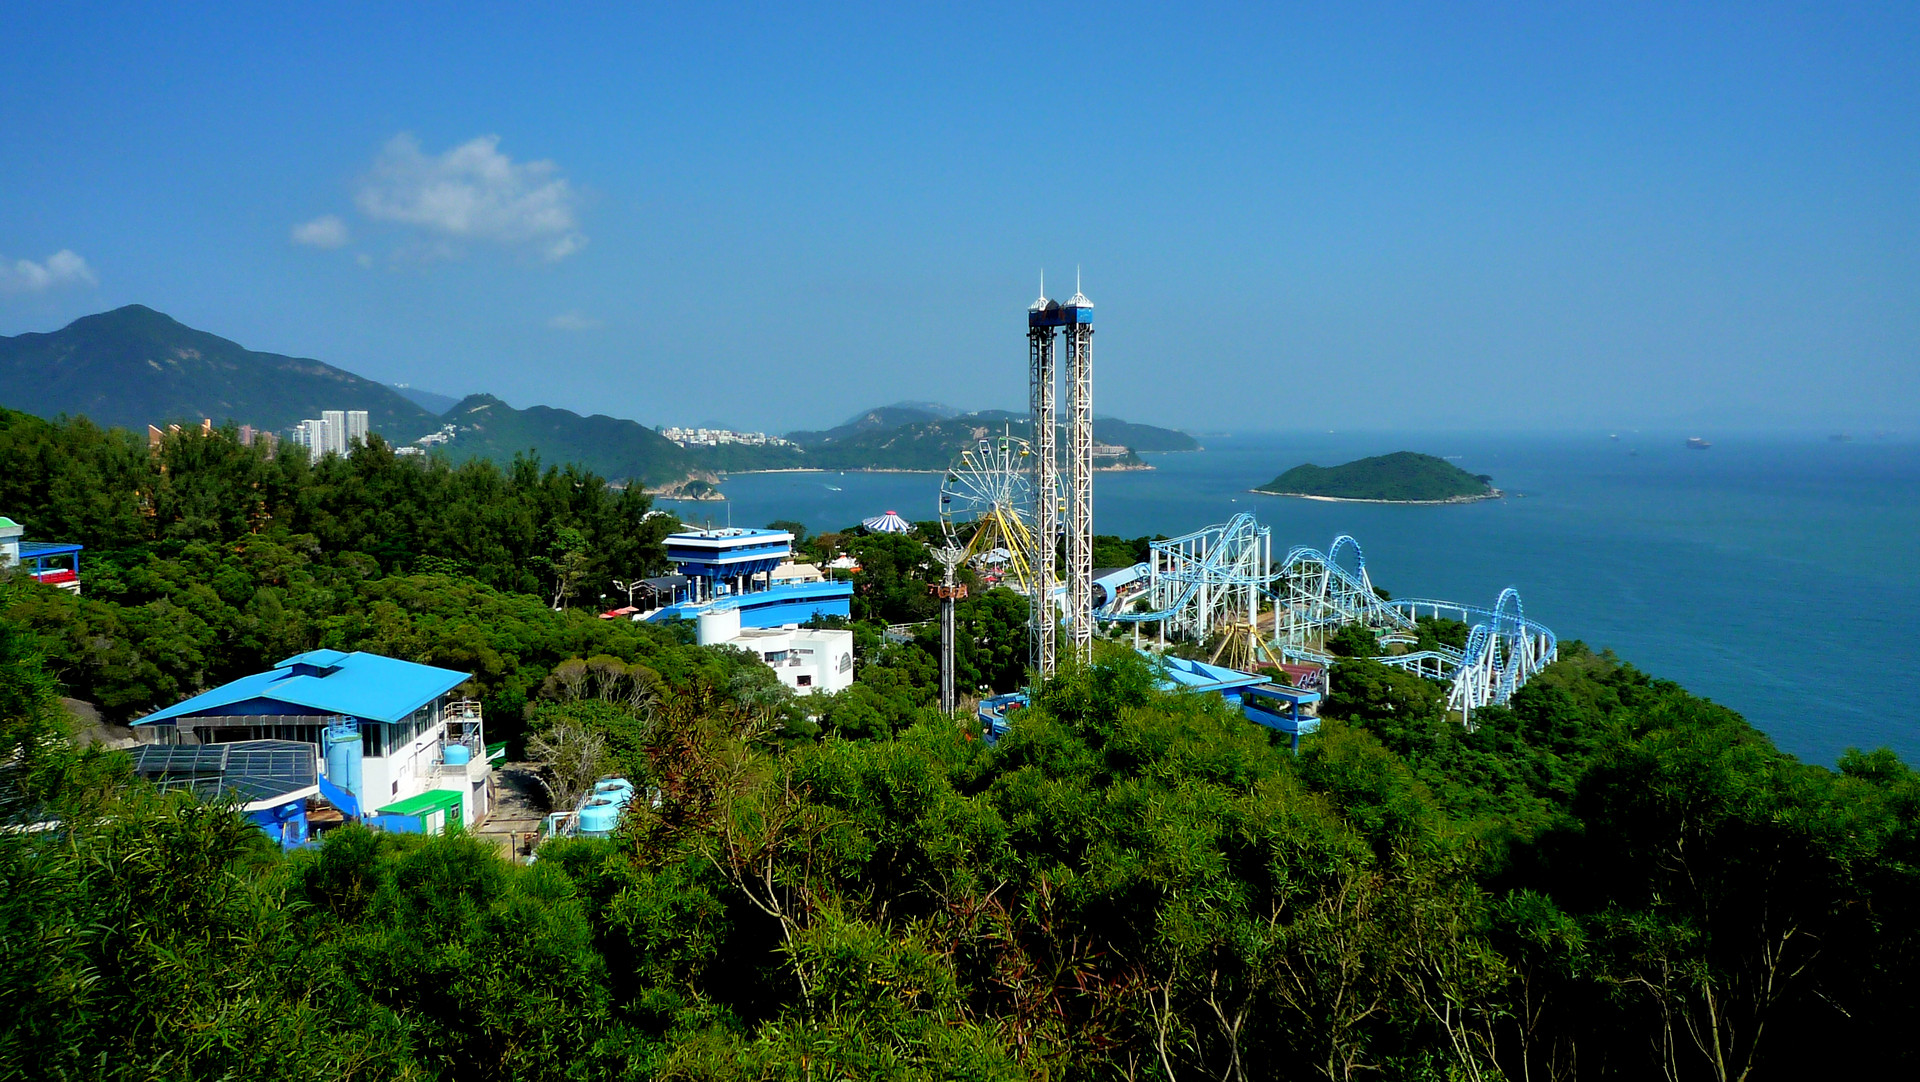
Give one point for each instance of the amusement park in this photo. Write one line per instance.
(1221, 606)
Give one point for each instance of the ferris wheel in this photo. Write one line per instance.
(987, 509)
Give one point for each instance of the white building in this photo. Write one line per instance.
(805, 659)
(389, 731)
(313, 435)
(336, 431)
(356, 427)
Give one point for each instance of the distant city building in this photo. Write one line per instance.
(714, 437)
(313, 434)
(246, 435)
(333, 432)
(434, 439)
(336, 431)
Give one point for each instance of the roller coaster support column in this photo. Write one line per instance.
(1041, 323)
(1079, 339)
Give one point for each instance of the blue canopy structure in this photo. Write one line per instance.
(323, 682)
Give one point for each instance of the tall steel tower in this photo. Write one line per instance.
(1079, 576)
(1042, 320)
(1076, 317)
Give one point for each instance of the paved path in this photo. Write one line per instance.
(519, 803)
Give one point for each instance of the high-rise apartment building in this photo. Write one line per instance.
(315, 435)
(356, 427)
(336, 431)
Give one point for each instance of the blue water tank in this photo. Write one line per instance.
(601, 812)
(599, 815)
(456, 755)
(343, 755)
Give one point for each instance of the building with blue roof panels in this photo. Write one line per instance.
(734, 568)
(272, 782)
(386, 729)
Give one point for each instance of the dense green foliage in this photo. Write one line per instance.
(134, 367)
(1403, 475)
(211, 560)
(1608, 877)
(1611, 877)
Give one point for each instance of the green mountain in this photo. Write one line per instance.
(883, 419)
(133, 367)
(916, 436)
(1403, 477)
(1146, 439)
(614, 448)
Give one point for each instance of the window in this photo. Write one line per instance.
(804, 681)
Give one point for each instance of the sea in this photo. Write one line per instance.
(1777, 575)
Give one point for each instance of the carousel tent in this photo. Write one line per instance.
(887, 523)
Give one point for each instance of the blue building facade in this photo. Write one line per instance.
(734, 567)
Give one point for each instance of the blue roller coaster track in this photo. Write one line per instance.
(1216, 578)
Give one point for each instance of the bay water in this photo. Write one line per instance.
(1777, 575)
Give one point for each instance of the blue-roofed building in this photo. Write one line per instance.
(734, 569)
(386, 730)
(55, 563)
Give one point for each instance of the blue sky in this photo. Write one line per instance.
(1351, 216)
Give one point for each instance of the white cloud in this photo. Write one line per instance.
(62, 268)
(327, 231)
(573, 321)
(473, 193)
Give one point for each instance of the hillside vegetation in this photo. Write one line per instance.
(609, 446)
(1401, 476)
(1609, 876)
(134, 367)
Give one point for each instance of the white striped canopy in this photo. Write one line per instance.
(887, 523)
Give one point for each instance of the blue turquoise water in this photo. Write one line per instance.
(1777, 576)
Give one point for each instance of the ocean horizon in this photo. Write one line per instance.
(1774, 574)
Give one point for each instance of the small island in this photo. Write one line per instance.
(1401, 477)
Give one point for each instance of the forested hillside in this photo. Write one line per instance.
(1609, 879)
(133, 367)
(623, 450)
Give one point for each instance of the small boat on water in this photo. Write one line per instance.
(1695, 443)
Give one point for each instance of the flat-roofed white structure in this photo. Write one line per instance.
(805, 659)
